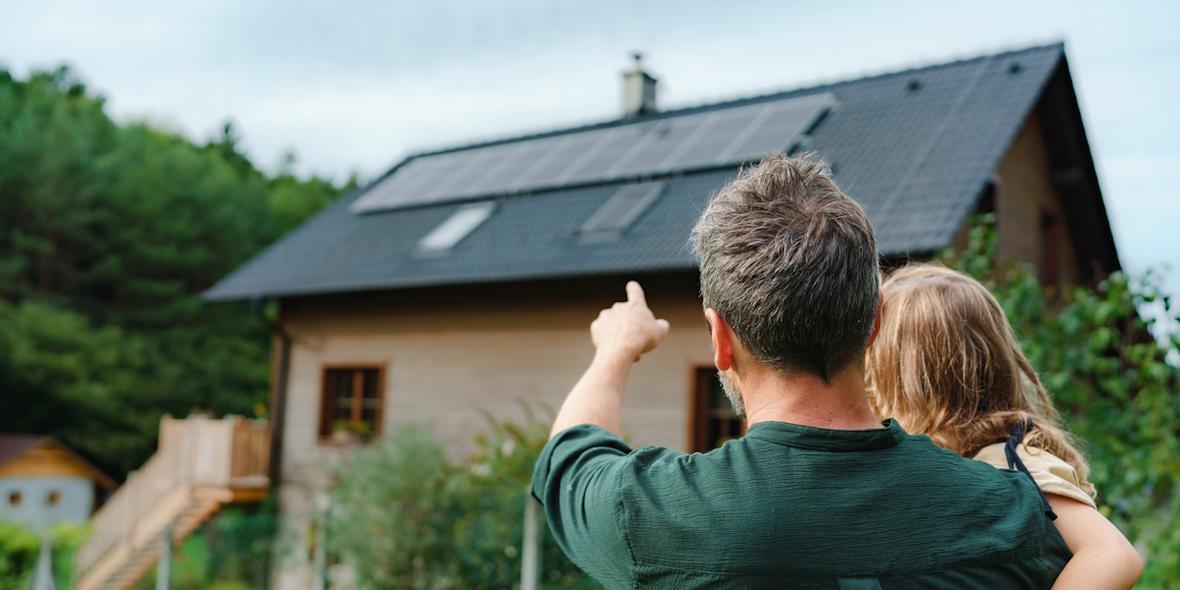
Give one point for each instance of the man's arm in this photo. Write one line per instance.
(621, 334)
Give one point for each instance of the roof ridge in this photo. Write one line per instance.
(811, 87)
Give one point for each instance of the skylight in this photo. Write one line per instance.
(456, 227)
(620, 211)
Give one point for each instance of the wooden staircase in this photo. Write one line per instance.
(201, 466)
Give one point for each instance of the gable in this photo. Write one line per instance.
(47, 458)
(915, 148)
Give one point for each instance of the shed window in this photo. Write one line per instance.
(53, 498)
(713, 418)
(14, 499)
(351, 403)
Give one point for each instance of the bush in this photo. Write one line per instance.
(1111, 381)
(18, 555)
(404, 516)
(231, 551)
(20, 548)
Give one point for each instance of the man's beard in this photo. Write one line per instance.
(731, 392)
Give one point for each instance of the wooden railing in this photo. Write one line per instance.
(227, 454)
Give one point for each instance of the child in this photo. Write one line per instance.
(945, 363)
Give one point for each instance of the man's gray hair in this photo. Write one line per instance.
(790, 262)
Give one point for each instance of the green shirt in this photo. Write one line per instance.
(790, 506)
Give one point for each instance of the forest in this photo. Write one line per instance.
(109, 232)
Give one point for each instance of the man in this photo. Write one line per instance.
(818, 493)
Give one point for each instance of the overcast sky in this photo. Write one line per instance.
(351, 86)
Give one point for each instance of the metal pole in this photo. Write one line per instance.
(530, 554)
(43, 578)
(320, 556)
(164, 566)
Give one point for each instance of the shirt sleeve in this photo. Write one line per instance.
(1052, 474)
(578, 481)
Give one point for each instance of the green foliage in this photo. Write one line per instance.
(390, 512)
(405, 517)
(108, 235)
(1112, 383)
(231, 551)
(18, 555)
(20, 548)
(56, 368)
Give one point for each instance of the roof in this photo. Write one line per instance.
(14, 446)
(916, 148)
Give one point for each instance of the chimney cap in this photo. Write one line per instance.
(639, 88)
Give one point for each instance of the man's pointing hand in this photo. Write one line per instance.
(628, 328)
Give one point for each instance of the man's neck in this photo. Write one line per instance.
(807, 400)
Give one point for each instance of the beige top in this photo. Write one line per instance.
(1052, 475)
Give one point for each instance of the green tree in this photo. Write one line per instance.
(108, 235)
(1111, 381)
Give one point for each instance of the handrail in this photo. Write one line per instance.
(194, 452)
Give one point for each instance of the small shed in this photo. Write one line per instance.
(44, 483)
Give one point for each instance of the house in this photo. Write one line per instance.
(463, 280)
(43, 483)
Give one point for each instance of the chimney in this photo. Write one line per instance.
(639, 89)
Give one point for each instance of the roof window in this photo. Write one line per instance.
(620, 211)
(454, 228)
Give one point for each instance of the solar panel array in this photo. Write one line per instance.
(707, 139)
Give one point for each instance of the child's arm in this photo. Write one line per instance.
(1102, 556)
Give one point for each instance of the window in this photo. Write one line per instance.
(14, 499)
(713, 418)
(456, 227)
(351, 404)
(53, 498)
(620, 211)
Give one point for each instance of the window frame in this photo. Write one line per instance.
(324, 434)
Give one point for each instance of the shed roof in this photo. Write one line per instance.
(15, 446)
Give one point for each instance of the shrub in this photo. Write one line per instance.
(20, 548)
(1112, 382)
(404, 516)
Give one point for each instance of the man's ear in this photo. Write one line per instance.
(876, 322)
(723, 340)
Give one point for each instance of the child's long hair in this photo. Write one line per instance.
(945, 363)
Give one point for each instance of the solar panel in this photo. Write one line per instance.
(778, 125)
(662, 139)
(708, 139)
(620, 211)
(467, 166)
(615, 144)
(557, 157)
(719, 132)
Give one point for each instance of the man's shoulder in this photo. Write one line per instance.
(977, 481)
